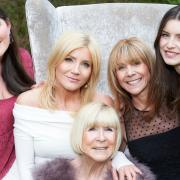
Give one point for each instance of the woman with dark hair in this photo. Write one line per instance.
(167, 66)
(13, 81)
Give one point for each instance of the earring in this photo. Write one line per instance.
(86, 86)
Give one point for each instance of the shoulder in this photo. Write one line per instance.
(24, 53)
(29, 98)
(106, 99)
(59, 168)
(26, 61)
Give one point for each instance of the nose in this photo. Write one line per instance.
(130, 70)
(171, 43)
(76, 68)
(101, 135)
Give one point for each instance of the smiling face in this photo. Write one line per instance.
(133, 77)
(99, 143)
(4, 36)
(75, 70)
(170, 43)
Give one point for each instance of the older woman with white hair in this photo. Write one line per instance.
(95, 138)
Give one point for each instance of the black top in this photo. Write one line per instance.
(156, 143)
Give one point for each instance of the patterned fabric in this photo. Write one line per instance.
(156, 143)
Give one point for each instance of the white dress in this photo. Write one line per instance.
(40, 135)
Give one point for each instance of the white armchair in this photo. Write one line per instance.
(106, 22)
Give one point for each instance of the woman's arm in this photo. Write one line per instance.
(123, 168)
(24, 152)
(23, 134)
(27, 62)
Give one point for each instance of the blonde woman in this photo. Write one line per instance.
(43, 115)
(95, 138)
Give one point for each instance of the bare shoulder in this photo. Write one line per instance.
(106, 99)
(29, 98)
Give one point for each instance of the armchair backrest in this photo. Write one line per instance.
(107, 22)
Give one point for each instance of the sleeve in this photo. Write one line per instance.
(120, 160)
(27, 62)
(24, 150)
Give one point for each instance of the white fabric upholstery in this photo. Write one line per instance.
(106, 22)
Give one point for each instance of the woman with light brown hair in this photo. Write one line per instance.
(152, 130)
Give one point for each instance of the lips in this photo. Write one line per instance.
(170, 54)
(134, 82)
(72, 79)
(100, 148)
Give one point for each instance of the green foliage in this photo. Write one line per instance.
(16, 12)
(174, 1)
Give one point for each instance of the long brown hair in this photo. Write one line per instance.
(167, 81)
(18, 81)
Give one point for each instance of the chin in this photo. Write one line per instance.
(101, 159)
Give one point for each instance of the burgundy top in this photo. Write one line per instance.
(7, 150)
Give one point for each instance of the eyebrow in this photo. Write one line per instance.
(163, 31)
(69, 56)
(85, 60)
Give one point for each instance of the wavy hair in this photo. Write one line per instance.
(68, 42)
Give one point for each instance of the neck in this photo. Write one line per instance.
(140, 102)
(68, 100)
(90, 169)
(177, 68)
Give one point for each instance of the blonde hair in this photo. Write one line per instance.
(67, 43)
(90, 115)
(131, 50)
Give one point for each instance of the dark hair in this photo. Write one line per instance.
(167, 86)
(13, 73)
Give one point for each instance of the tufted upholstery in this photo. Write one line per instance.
(106, 22)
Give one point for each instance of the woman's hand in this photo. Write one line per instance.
(123, 168)
(128, 172)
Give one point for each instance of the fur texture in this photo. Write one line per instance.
(61, 169)
(147, 173)
(58, 169)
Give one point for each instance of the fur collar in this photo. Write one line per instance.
(61, 169)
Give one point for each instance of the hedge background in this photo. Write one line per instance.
(16, 12)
